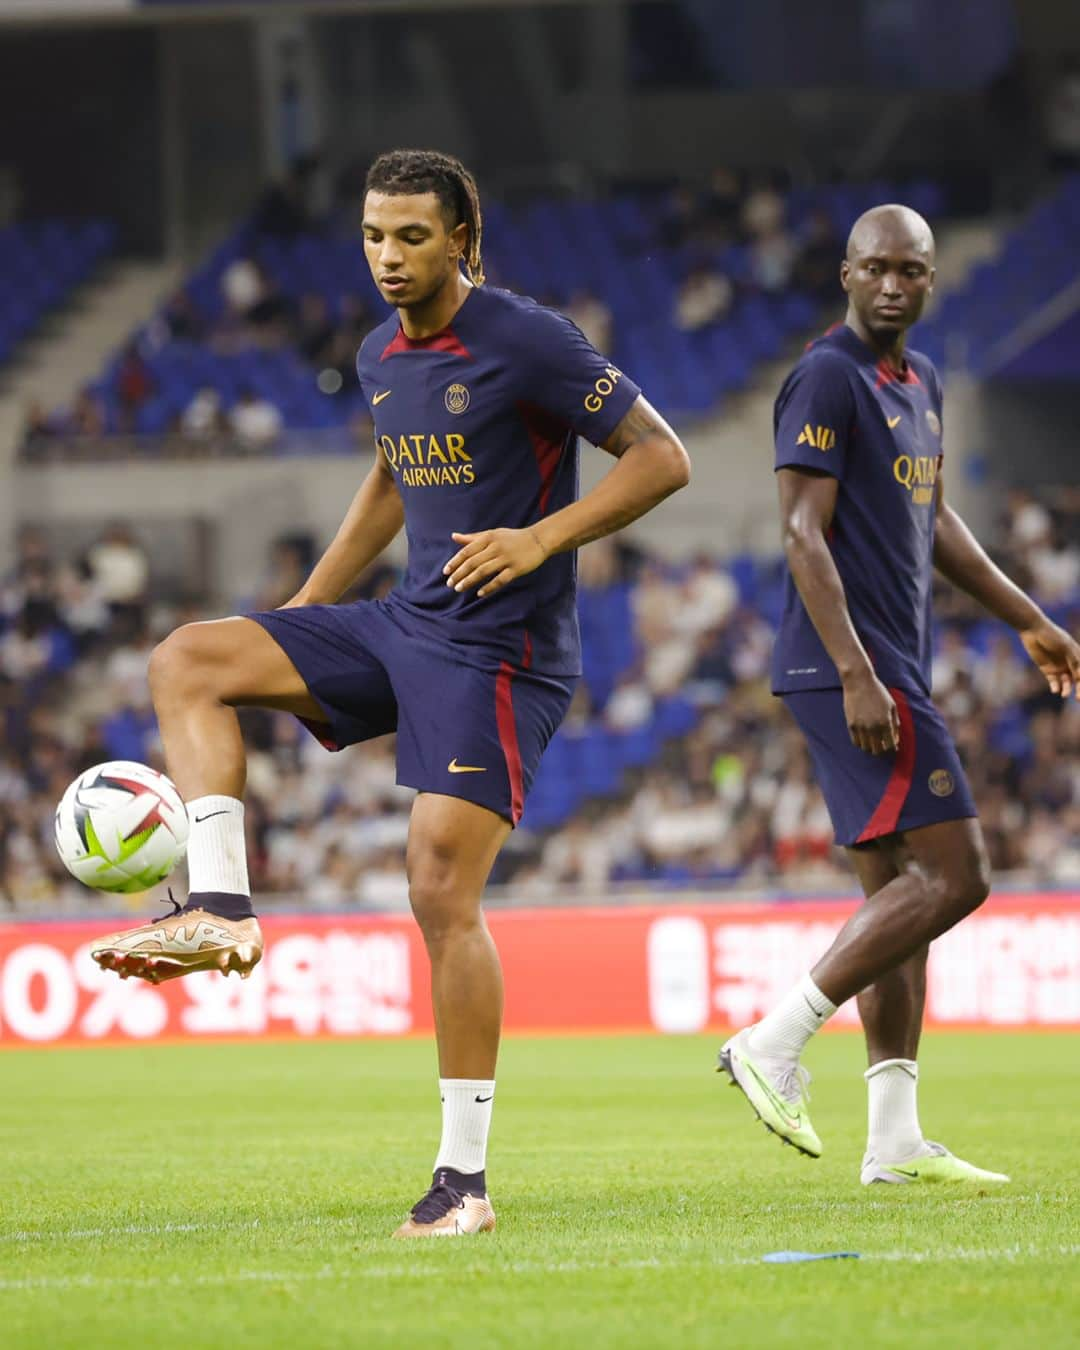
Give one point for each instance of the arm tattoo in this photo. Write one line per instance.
(638, 424)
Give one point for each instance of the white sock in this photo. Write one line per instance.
(466, 1119)
(894, 1131)
(216, 853)
(783, 1033)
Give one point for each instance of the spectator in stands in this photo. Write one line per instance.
(680, 218)
(256, 309)
(87, 415)
(1055, 568)
(703, 299)
(283, 210)
(39, 430)
(1063, 116)
(134, 385)
(773, 255)
(773, 250)
(1028, 522)
(181, 318)
(593, 317)
(631, 703)
(81, 603)
(763, 211)
(820, 249)
(998, 677)
(291, 559)
(120, 568)
(314, 328)
(204, 417)
(256, 423)
(721, 207)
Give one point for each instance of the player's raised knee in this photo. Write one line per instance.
(179, 663)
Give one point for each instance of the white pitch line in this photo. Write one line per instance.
(423, 1272)
(29, 1235)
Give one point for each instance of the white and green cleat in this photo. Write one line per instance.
(933, 1164)
(776, 1091)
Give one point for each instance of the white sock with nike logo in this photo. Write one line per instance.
(782, 1033)
(466, 1120)
(894, 1130)
(216, 853)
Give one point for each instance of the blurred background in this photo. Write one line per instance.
(184, 292)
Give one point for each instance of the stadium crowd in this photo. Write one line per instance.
(731, 803)
(262, 339)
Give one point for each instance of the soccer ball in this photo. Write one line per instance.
(121, 827)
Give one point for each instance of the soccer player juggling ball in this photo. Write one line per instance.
(858, 430)
(478, 397)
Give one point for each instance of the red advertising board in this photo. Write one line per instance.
(672, 968)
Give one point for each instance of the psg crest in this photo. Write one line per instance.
(457, 398)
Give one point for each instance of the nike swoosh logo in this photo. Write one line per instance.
(210, 816)
(378, 398)
(485, 1099)
(782, 1108)
(901, 1173)
(455, 767)
(892, 421)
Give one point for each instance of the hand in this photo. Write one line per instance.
(872, 719)
(1056, 654)
(495, 557)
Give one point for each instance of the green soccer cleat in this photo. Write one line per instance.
(776, 1091)
(933, 1163)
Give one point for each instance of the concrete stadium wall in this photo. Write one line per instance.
(244, 504)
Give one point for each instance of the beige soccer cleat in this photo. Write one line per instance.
(447, 1212)
(180, 944)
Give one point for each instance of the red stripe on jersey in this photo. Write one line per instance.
(886, 375)
(548, 436)
(832, 328)
(885, 818)
(446, 341)
(504, 720)
(526, 659)
(322, 733)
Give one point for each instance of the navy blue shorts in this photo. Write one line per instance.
(468, 723)
(868, 796)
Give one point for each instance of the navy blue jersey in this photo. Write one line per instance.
(845, 413)
(480, 426)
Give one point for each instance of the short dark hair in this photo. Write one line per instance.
(408, 172)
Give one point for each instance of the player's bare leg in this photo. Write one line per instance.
(941, 875)
(932, 877)
(452, 846)
(891, 1009)
(199, 675)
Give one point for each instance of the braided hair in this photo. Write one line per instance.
(408, 172)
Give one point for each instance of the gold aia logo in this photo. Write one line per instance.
(821, 438)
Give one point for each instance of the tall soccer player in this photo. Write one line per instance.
(858, 430)
(478, 398)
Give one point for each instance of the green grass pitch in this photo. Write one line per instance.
(242, 1196)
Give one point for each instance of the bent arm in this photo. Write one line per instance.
(961, 559)
(374, 518)
(652, 464)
